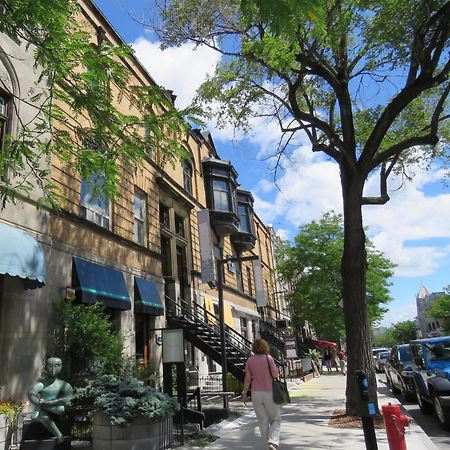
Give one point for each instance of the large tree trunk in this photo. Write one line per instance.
(353, 270)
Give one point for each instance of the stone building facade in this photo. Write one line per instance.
(137, 255)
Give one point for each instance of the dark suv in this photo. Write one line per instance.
(431, 374)
(398, 369)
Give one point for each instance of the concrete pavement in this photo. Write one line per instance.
(305, 422)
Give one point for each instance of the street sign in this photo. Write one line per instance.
(291, 347)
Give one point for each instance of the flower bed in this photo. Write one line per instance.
(9, 419)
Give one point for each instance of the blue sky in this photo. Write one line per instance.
(413, 229)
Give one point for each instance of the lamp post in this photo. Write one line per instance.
(223, 337)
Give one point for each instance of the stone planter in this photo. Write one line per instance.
(5, 433)
(142, 434)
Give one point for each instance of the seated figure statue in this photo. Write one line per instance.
(49, 397)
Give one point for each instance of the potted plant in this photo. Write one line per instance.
(126, 412)
(9, 422)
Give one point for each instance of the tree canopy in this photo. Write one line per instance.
(398, 333)
(365, 81)
(440, 309)
(78, 109)
(311, 265)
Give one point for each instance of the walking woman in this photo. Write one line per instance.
(259, 371)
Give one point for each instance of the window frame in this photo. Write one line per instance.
(98, 215)
(142, 240)
(188, 177)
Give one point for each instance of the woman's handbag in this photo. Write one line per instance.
(279, 389)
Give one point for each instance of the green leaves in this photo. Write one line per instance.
(312, 264)
(84, 85)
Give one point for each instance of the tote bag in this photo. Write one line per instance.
(279, 389)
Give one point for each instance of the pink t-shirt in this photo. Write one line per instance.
(259, 370)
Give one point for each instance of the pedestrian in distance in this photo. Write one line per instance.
(342, 357)
(327, 359)
(259, 377)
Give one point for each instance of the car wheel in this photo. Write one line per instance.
(442, 413)
(425, 407)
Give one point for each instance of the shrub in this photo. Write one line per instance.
(86, 342)
(123, 399)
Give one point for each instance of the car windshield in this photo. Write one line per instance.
(405, 355)
(383, 355)
(438, 351)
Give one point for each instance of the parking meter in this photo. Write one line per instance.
(363, 384)
(369, 411)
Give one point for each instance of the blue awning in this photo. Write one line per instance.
(96, 283)
(147, 298)
(21, 256)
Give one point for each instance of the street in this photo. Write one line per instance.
(428, 423)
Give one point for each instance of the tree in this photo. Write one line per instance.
(440, 309)
(312, 266)
(79, 107)
(85, 341)
(403, 332)
(366, 82)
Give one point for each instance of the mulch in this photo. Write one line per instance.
(340, 419)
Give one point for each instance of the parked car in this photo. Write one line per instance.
(398, 369)
(377, 350)
(380, 361)
(431, 374)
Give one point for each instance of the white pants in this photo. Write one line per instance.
(268, 414)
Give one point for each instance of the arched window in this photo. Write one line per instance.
(4, 116)
(187, 176)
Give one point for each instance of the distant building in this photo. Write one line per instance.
(427, 326)
(379, 331)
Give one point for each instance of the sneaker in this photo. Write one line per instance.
(272, 446)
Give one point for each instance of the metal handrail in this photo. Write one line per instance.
(232, 340)
(235, 339)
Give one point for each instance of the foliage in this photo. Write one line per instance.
(398, 333)
(312, 266)
(123, 399)
(11, 409)
(440, 309)
(365, 82)
(100, 131)
(403, 332)
(86, 342)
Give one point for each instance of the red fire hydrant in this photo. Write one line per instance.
(395, 426)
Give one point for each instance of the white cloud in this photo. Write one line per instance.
(399, 313)
(180, 69)
(412, 229)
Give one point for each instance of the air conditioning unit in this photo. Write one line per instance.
(282, 324)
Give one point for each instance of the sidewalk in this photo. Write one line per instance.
(304, 423)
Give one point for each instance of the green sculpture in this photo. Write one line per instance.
(49, 397)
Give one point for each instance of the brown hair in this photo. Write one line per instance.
(260, 347)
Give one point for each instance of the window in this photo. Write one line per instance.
(220, 195)
(94, 204)
(244, 218)
(4, 111)
(187, 177)
(179, 226)
(139, 218)
(249, 282)
(164, 218)
(149, 136)
(239, 283)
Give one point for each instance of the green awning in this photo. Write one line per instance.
(147, 298)
(21, 256)
(96, 283)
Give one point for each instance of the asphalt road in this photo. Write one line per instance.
(428, 422)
